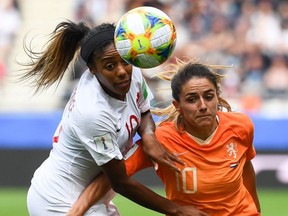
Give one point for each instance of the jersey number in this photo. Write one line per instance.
(133, 121)
(187, 180)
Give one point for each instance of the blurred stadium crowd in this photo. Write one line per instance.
(251, 36)
(10, 22)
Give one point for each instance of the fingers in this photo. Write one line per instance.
(170, 162)
(174, 158)
(203, 213)
(166, 162)
(162, 156)
(155, 165)
(175, 168)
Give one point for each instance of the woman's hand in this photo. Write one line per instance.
(152, 148)
(159, 154)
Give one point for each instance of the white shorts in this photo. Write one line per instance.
(38, 206)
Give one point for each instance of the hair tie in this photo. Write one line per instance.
(95, 41)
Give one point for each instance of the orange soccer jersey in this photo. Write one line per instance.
(212, 178)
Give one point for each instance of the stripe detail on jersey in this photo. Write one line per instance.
(144, 89)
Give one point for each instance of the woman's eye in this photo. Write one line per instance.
(109, 66)
(209, 97)
(191, 100)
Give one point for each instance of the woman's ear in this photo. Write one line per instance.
(176, 105)
(92, 70)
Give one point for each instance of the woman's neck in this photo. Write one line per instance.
(202, 132)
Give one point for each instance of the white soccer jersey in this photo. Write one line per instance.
(94, 129)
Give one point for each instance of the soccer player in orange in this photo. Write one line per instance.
(215, 143)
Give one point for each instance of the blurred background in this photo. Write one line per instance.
(251, 36)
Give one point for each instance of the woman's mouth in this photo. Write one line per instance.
(124, 84)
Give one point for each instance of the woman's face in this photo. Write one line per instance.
(198, 105)
(113, 73)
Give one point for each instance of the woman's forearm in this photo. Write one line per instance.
(249, 179)
(152, 148)
(93, 193)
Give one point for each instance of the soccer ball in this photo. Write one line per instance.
(145, 37)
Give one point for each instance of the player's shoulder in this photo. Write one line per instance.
(164, 129)
(166, 126)
(89, 102)
(236, 117)
(136, 72)
(236, 120)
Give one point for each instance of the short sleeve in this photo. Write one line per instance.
(136, 160)
(251, 152)
(99, 138)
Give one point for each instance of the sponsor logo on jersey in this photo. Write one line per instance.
(104, 143)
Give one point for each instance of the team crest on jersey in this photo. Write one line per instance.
(104, 143)
(232, 149)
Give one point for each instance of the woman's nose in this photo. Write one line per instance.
(121, 70)
(202, 104)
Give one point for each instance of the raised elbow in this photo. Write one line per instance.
(118, 187)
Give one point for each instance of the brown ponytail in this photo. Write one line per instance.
(49, 66)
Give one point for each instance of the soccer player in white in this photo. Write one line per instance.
(108, 106)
